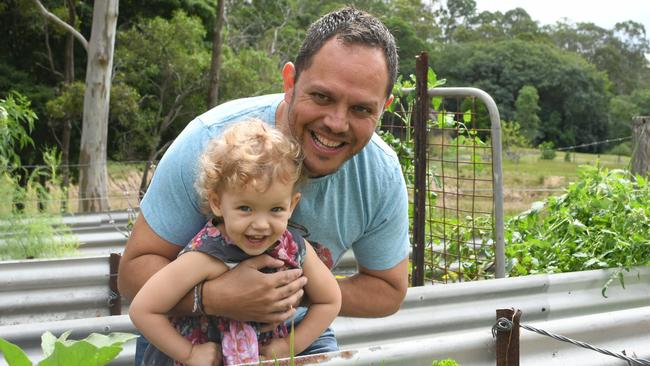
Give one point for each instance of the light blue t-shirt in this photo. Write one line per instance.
(363, 206)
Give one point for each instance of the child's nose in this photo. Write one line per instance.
(260, 222)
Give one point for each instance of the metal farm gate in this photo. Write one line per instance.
(449, 143)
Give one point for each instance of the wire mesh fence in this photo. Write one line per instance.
(39, 189)
(456, 199)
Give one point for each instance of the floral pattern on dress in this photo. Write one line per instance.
(323, 254)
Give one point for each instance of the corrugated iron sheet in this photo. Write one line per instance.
(455, 321)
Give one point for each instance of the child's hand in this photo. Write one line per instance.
(206, 354)
(278, 348)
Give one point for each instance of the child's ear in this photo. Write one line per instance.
(215, 204)
(294, 200)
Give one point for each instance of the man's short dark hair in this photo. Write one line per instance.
(351, 26)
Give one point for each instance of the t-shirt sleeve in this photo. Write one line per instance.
(385, 242)
(171, 204)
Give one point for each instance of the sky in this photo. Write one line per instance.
(604, 13)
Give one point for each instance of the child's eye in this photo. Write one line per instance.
(277, 209)
(245, 208)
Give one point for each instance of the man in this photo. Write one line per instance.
(356, 198)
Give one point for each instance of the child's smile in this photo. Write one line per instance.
(254, 220)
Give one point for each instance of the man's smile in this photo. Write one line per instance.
(324, 142)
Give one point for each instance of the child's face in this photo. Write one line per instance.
(255, 220)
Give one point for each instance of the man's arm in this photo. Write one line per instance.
(374, 293)
(145, 254)
(243, 293)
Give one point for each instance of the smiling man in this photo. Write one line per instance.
(356, 198)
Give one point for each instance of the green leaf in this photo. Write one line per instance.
(13, 354)
(47, 342)
(467, 116)
(436, 101)
(80, 353)
(113, 339)
(94, 350)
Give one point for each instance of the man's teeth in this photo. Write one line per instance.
(326, 142)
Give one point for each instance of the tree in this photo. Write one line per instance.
(92, 155)
(167, 63)
(570, 90)
(527, 112)
(620, 51)
(215, 65)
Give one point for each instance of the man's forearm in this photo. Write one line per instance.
(374, 293)
(368, 297)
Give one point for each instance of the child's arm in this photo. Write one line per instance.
(325, 297)
(161, 293)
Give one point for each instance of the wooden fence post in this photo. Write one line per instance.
(641, 145)
(114, 297)
(508, 340)
(420, 116)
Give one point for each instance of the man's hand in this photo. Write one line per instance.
(244, 293)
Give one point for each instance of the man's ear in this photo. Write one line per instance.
(294, 200)
(215, 204)
(288, 80)
(389, 101)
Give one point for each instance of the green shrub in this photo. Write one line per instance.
(602, 221)
(445, 362)
(547, 150)
(30, 221)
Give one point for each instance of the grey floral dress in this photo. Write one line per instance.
(239, 340)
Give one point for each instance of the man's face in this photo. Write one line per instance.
(334, 106)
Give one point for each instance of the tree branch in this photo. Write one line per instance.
(63, 24)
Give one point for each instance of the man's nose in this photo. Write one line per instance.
(337, 119)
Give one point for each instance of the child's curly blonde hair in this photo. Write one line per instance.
(248, 154)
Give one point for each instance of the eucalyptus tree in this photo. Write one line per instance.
(621, 51)
(167, 62)
(92, 157)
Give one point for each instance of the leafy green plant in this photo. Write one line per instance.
(458, 142)
(547, 150)
(16, 122)
(512, 140)
(445, 362)
(30, 221)
(602, 221)
(94, 350)
(468, 253)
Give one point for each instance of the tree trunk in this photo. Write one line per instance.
(641, 145)
(92, 158)
(213, 85)
(68, 78)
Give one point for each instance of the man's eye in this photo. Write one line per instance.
(361, 109)
(320, 98)
(244, 208)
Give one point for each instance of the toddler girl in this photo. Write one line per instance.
(247, 183)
